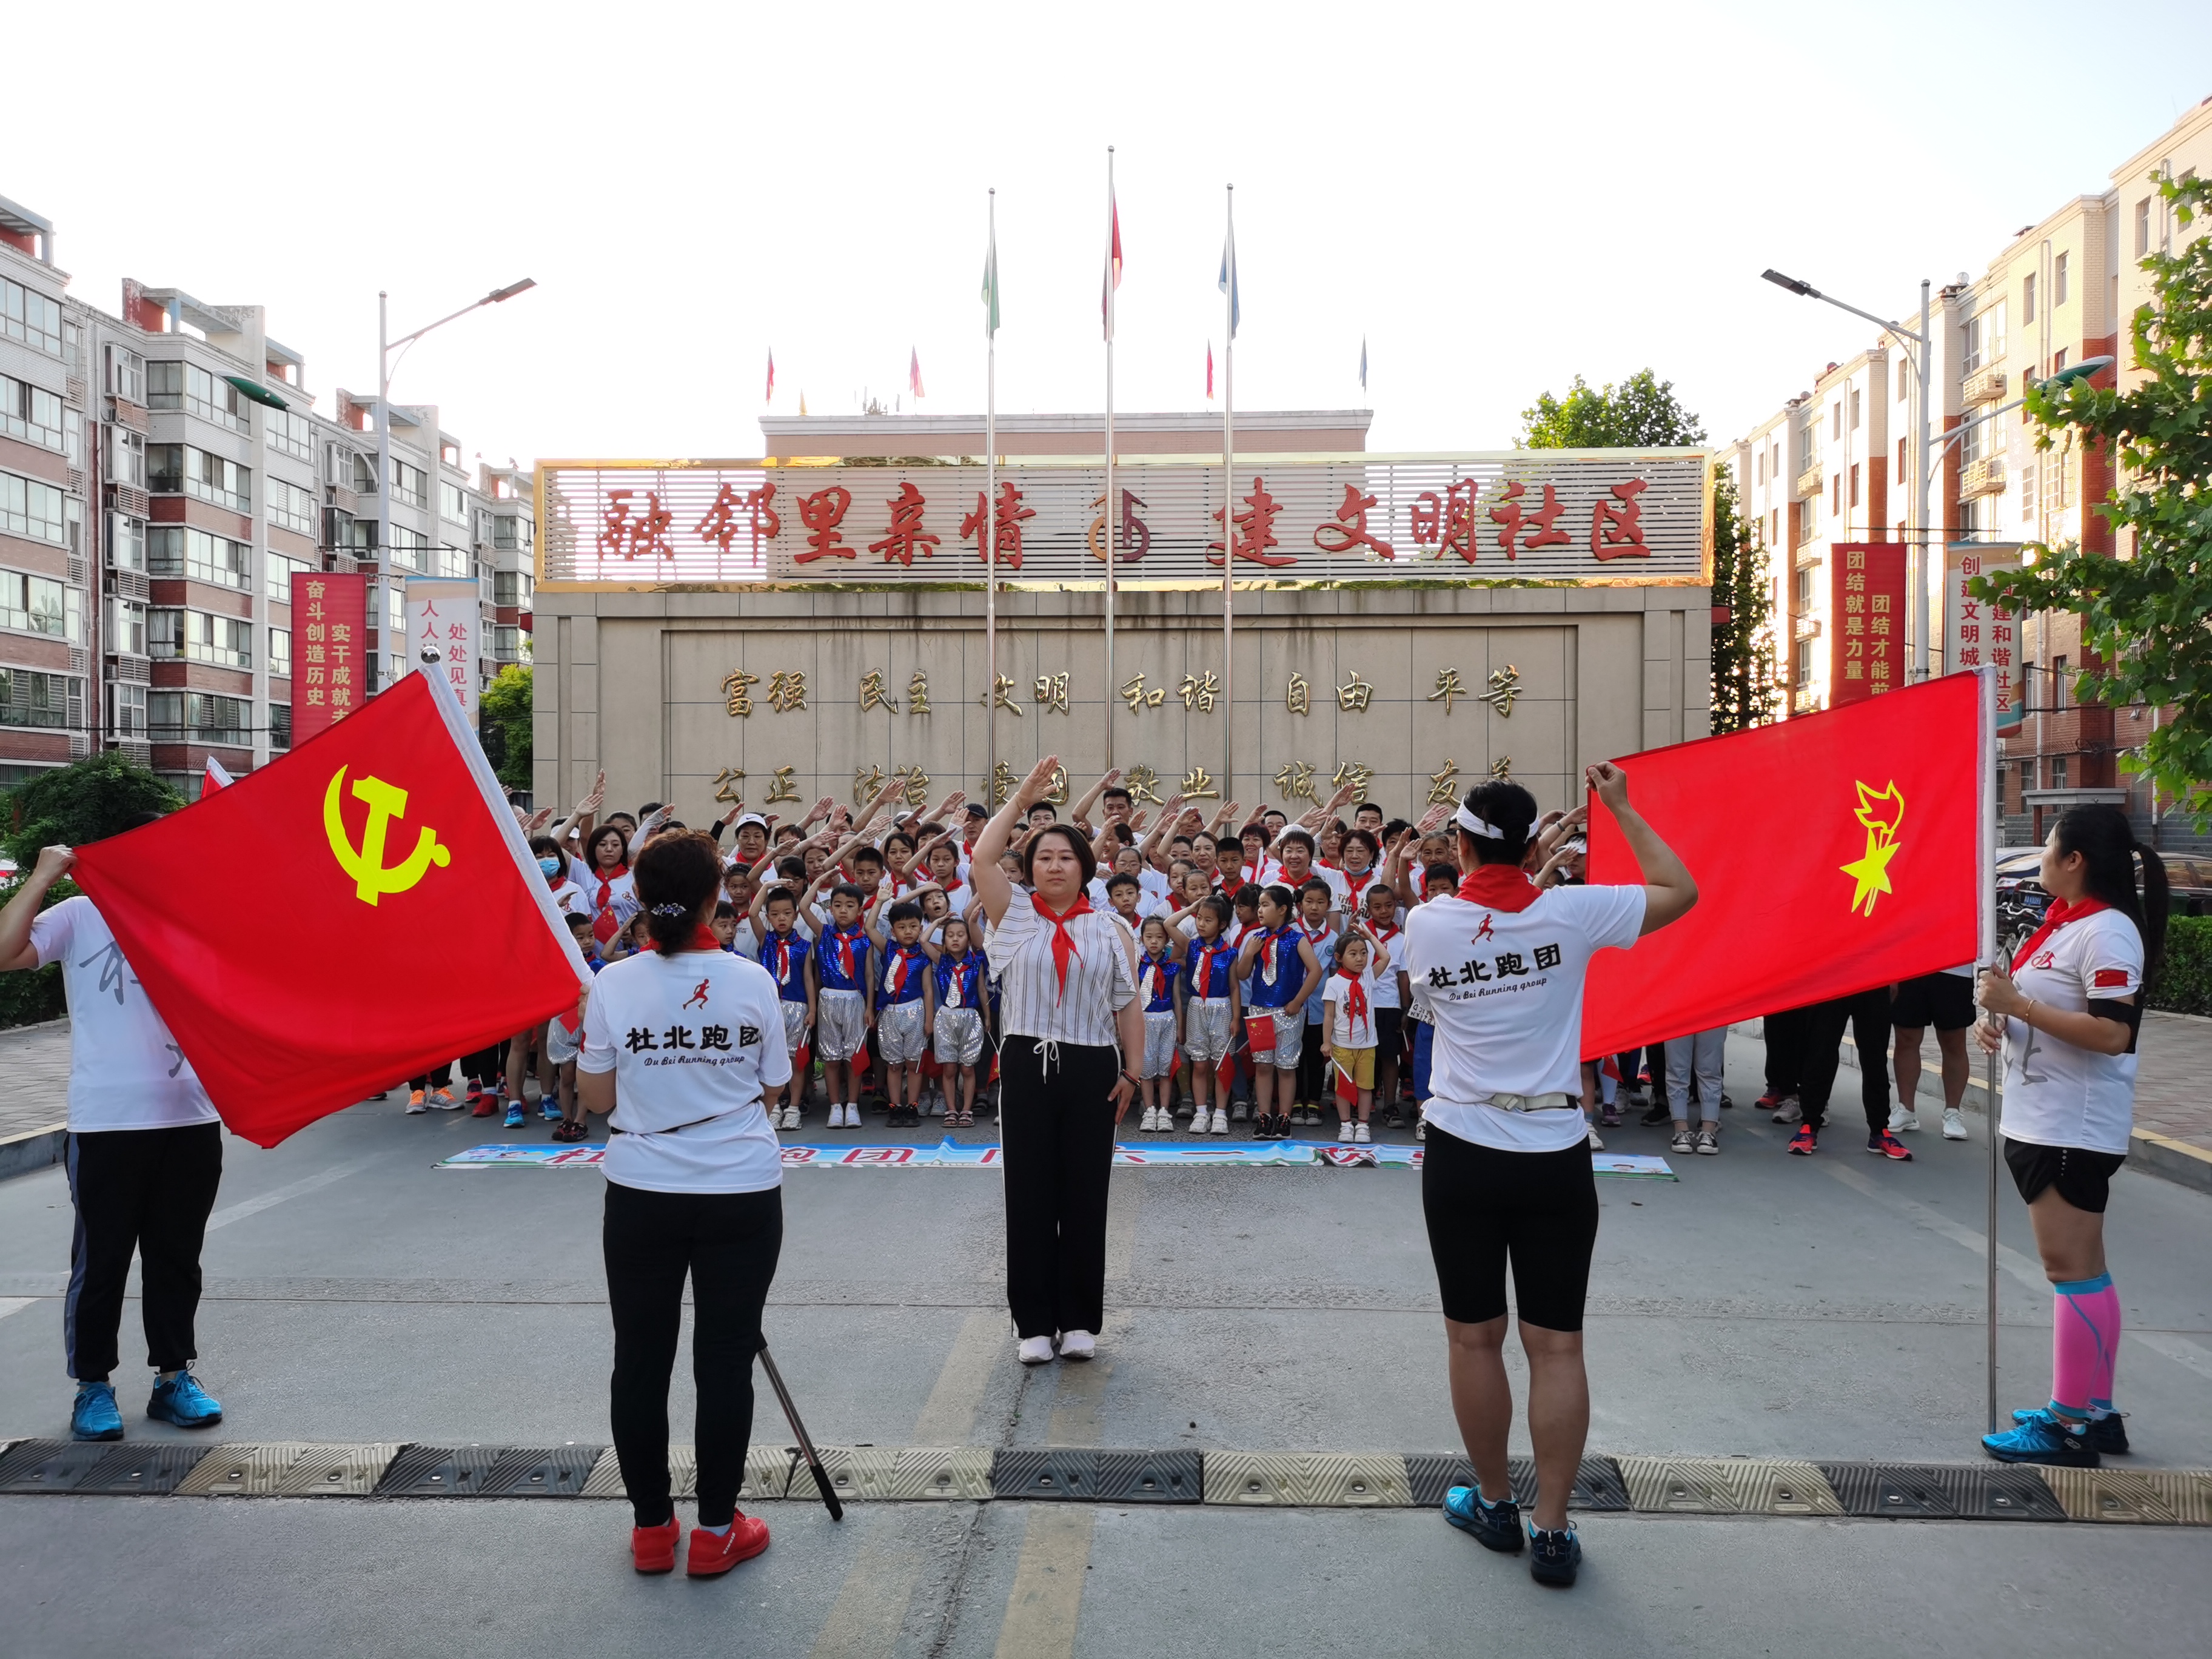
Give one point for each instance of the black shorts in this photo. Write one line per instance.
(2083, 1179)
(1943, 1000)
(1485, 1208)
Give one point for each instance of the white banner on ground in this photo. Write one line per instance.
(954, 1154)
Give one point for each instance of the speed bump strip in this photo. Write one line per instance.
(1597, 1481)
(151, 1466)
(438, 1472)
(1727, 1486)
(856, 1473)
(1334, 1480)
(1138, 1476)
(50, 1465)
(954, 1472)
(605, 1479)
(554, 1472)
(2153, 1497)
(1045, 1473)
(1967, 1491)
(251, 1469)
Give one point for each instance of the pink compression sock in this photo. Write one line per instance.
(2085, 1342)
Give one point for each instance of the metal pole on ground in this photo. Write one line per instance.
(1112, 277)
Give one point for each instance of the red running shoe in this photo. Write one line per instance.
(1806, 1141)
(1883, 1144)
(1767, 1103)
(652, 1549)
(481, 1106)
(710, 1556)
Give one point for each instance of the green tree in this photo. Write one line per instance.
(2148, 613)
(1745, 686)
(1640, 413)
(504, 724)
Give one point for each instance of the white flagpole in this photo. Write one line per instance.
(1112, 518)
(1985, 954)
(991, 524)
(1229, 519)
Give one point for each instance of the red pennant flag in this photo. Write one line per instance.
(387, 865)
(1347, 1089)
(1832, 853)
(215, 776)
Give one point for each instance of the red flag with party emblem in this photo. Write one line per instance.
(1832, 853)
(384, 915)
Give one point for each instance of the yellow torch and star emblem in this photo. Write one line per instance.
(1880, 810)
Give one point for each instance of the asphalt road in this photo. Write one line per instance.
(1763, 1305)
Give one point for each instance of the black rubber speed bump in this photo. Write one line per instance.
(51, 1465)
(1967, 1491)
(150, 1466)
(550, 1472)
(1150, 1477)
(440, 1471)
(1598, 1485)
(1048, 1472)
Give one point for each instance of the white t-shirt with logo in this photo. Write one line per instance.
(691, 1040)
(126, 1071)
(1505, 992)
(2056, 1094)
(1344, 1031)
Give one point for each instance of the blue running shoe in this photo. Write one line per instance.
(1554, 1558)
(94, 1416)
(1495, 1526)
(2043, 1438)
(182, 1401)
(549, 1109)
(2108, 1433)
(514, 1115)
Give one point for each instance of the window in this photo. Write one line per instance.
(1836, 490)
(2028, 298)
(33, 509)
(280, 726)
(40, 604)
(510, 644)
(2027, 777)
(1774, 531)
(1854, 408)
(2058, 771)
(288, 431)
(199, 717)
(511, 587)
(27, 698)
(30, 316)
(278, 572)
(126, 710)
(2059, 360)
(1902, 382)
(2061, 684)
(1809, 519)
(1985, 338)
(126, 542)
(174, 469)
(126, 457)
(338, 465)
(31, 413)
(1855, 483)
(2027, 480)
(514, 531)
(1835, 418)
(188, 386)
(1903, 478)
(449, 453)
(407, 482)
(452, 505)
(126, 375)
(290, 507)
(2058, 284)
(449, 562)
(198, 637)
(176, 549)
(1804, 662)
(280, 651)
(411, 549)
(126, 626)
(1758, 466)
(1804, 584)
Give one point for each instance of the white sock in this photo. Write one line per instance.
(722, 1531)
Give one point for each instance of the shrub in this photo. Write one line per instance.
(2184, 984)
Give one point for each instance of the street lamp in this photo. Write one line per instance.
(1924, 370)
(384, 350)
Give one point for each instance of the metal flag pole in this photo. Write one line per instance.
(1113, 279)
(991, 513)
(1985, 873)
(798, 1432)
(1228, 518)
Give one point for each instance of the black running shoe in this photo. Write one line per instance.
(2107, 1436)
(1660, 1113)
(1554, 1558)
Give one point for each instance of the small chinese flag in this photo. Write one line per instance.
(1347, 1089)
(1832, 853)
(216, 776)
(771, 375)
(913, 372)
(1209, 371)
(387, 863)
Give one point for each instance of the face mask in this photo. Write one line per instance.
(549, 866)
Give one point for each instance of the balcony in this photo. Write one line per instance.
(1985, 477)
(1812, 479)
(1807, 628)
(1985, 386)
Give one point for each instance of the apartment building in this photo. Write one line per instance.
(167, 476)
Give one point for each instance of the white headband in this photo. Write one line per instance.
(1475, 826)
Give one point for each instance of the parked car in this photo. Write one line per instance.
(2022, 901)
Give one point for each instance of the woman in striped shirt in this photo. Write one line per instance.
(1074, 1042)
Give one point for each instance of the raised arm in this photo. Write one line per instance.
(990, 881)
(1669, 891)
(1081, 811)
(579, 821)
(16, 948)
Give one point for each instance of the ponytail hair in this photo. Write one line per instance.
(677, 871)
(2109, 849)
(1507, 808)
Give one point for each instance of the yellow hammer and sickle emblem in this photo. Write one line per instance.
(366, 864)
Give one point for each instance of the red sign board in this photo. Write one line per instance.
(1866, 619)
(329, 653)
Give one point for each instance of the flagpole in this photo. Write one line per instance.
(1986, 954)
(1229, 519)
(1112, 518)
(991, 521)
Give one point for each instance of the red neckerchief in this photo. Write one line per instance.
(845, 949)
(1159, 976)
(903, 957)
(1355, 999)
(782, 958)
(1207, 955)
(1063, 947)
(1498, 887)
(607, 879)
(702, 938)
(1271, 941)
(963, 979)
(1380, 935)
(2060, 912)
(1355, 885)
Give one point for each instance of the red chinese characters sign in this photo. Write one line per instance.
(1866, 621)
(330, 656)
(445, 618)
(1979, 634)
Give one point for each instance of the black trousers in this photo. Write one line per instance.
(1315, 1083)
(147, 1191)
(728, 1243)
(1786, 1036)
(1868, 1016)
(1057, 1128)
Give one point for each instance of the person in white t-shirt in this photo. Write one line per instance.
(2066, 1016)
(1506, 1178)
(678, 1044)
(145, 1158)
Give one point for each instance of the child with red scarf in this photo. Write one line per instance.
(1160, 986)
(1349, 1036)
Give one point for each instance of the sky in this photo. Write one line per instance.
(1493, 199)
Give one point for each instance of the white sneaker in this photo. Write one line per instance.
(1078, 1345)
(1220, 1122)
(1789, 1111)
(1359, 1134)
(1901, 1120)
(852, 1113)
(1596, 1145)
(1954, 1125)
(1151, 1122)
(792, 1119)
(1344, 1130)
(1421, 1129)
(1034, 1351)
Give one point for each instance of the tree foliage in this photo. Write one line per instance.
(504, 721)
(2147, 613)
(1640, 413)
(1746, 688)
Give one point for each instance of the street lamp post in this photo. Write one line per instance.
(384, 350)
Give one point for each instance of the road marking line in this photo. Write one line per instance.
(948, 1416)
(9, 1305)
(269, 1200)
(864, 1620)
(1047, 1592)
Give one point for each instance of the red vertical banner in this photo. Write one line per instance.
(330, 658)
(1866, 612)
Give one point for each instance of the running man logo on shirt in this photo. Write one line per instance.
(1881, 811)
(1483, 932)
(371, 878)
(698, 997)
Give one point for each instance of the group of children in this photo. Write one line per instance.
(1270, 962)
